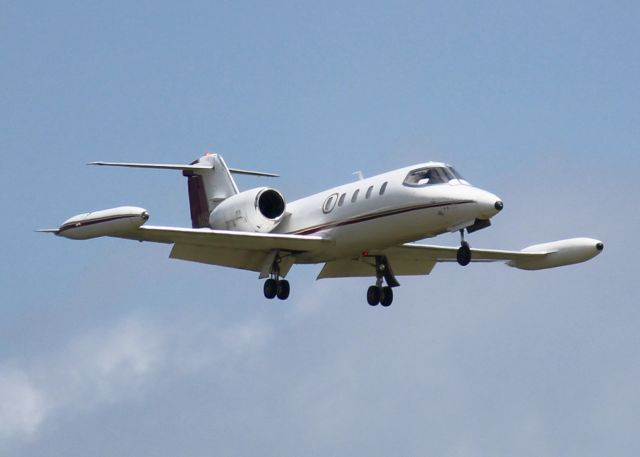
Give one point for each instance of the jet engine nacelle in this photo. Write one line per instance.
(255, 210)
(564, 252)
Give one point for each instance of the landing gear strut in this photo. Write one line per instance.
(463, 256)
(275, 286)
(378, 294)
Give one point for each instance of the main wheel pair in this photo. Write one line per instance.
(380, 295)
(276, 288)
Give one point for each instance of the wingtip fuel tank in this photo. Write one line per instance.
(103, 223)
(559, 253)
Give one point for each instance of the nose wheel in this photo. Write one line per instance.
(379, 294)
(463, 255)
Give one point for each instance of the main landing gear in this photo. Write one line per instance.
(378, 294)
(275, 286)
(463, 256)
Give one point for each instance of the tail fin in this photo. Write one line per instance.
(209, 182)
(208, 186)
(198, 204)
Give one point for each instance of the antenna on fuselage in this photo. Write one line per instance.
(358, 174)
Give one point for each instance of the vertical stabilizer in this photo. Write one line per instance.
(208, 186)
(197, 201)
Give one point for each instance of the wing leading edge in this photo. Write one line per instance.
(227, 239)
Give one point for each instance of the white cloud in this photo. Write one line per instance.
(22, 406)
(245, 336)
(129, 348)
(115, 363)
(104, 364)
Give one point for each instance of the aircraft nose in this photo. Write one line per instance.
(489, 204)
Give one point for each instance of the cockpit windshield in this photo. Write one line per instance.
(428, 176)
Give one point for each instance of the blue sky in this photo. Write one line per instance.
(107, 347)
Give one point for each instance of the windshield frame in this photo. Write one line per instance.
(441, 174)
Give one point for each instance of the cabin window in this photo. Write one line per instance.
(383, 188)
(369, 190)
(341, 201)
(354, 197)
(329, 203)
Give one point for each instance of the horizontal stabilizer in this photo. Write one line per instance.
(238, 171)
(51, 230)
(170, 166)
(154, 165)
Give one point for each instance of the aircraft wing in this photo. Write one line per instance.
(420, 259)
(412, 259)
(244, 250)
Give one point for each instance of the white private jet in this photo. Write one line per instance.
(364, 228)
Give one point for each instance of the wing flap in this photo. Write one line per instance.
(234, 258)
(366, 267)
(348, 268)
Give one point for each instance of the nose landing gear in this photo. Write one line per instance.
(378, 294)
(463, 256)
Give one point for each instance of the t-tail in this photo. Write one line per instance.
(209, 181)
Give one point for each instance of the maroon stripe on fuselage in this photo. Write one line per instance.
(369, 217)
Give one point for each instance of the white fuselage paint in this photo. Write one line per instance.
(401, 214)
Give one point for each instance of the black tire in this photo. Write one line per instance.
(283, 289)
(386, 297)
(373, 295)
(270, 288)
(463, 256)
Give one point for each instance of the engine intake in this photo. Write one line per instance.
(271, 203)
(255, 210)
